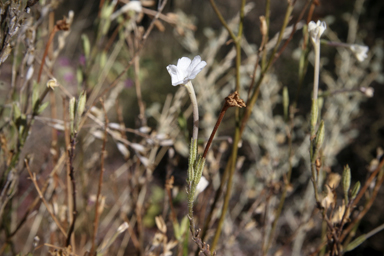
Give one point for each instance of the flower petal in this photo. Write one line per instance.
(183, 64)
(176, 76)
(193, 64)
(311, 26)
(197, 70)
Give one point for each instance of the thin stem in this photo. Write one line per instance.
(33, 178)
(222, 20)
(71, 154)
(229, 189)
(375, 231)
(97, 212)
(317, 70)
(192, 96)
(51, 36)
(219, 119)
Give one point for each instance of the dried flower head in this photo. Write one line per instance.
(185, 70)
(233, 100)
(360, 51)
(52, 83)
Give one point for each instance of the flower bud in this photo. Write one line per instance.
(346, 180)
(355, 190)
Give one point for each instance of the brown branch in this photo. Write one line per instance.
(33, 178)
(60, 25)
(71, 154)
(97, 212)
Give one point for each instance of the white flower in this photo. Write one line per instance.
(316, 30)
(359, 51)
(185, 70)
(203, 183)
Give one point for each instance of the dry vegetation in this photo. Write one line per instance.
(96, 143)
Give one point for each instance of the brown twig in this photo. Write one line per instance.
(71, 154)
(60, 25)
(37, 199)
(33, 178)
(233, 100)
(97, 212)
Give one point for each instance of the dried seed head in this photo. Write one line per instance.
(233, 100)
(63, 24)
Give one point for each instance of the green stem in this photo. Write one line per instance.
(192, 96)
(229, 188)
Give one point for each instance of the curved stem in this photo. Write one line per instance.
(192, 96)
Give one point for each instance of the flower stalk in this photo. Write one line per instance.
(315, 31)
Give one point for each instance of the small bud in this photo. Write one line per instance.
(346, 180)
(72, 102)
(86, 45)
(263, 26)
(355, 190)
(285, 102)
(80, 108)
(367, 91)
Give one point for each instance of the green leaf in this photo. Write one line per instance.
(86, 45)
(184, 225)
(42, 107)
(35, 94)
(355, 243)
(176, 229)
(355, 190)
